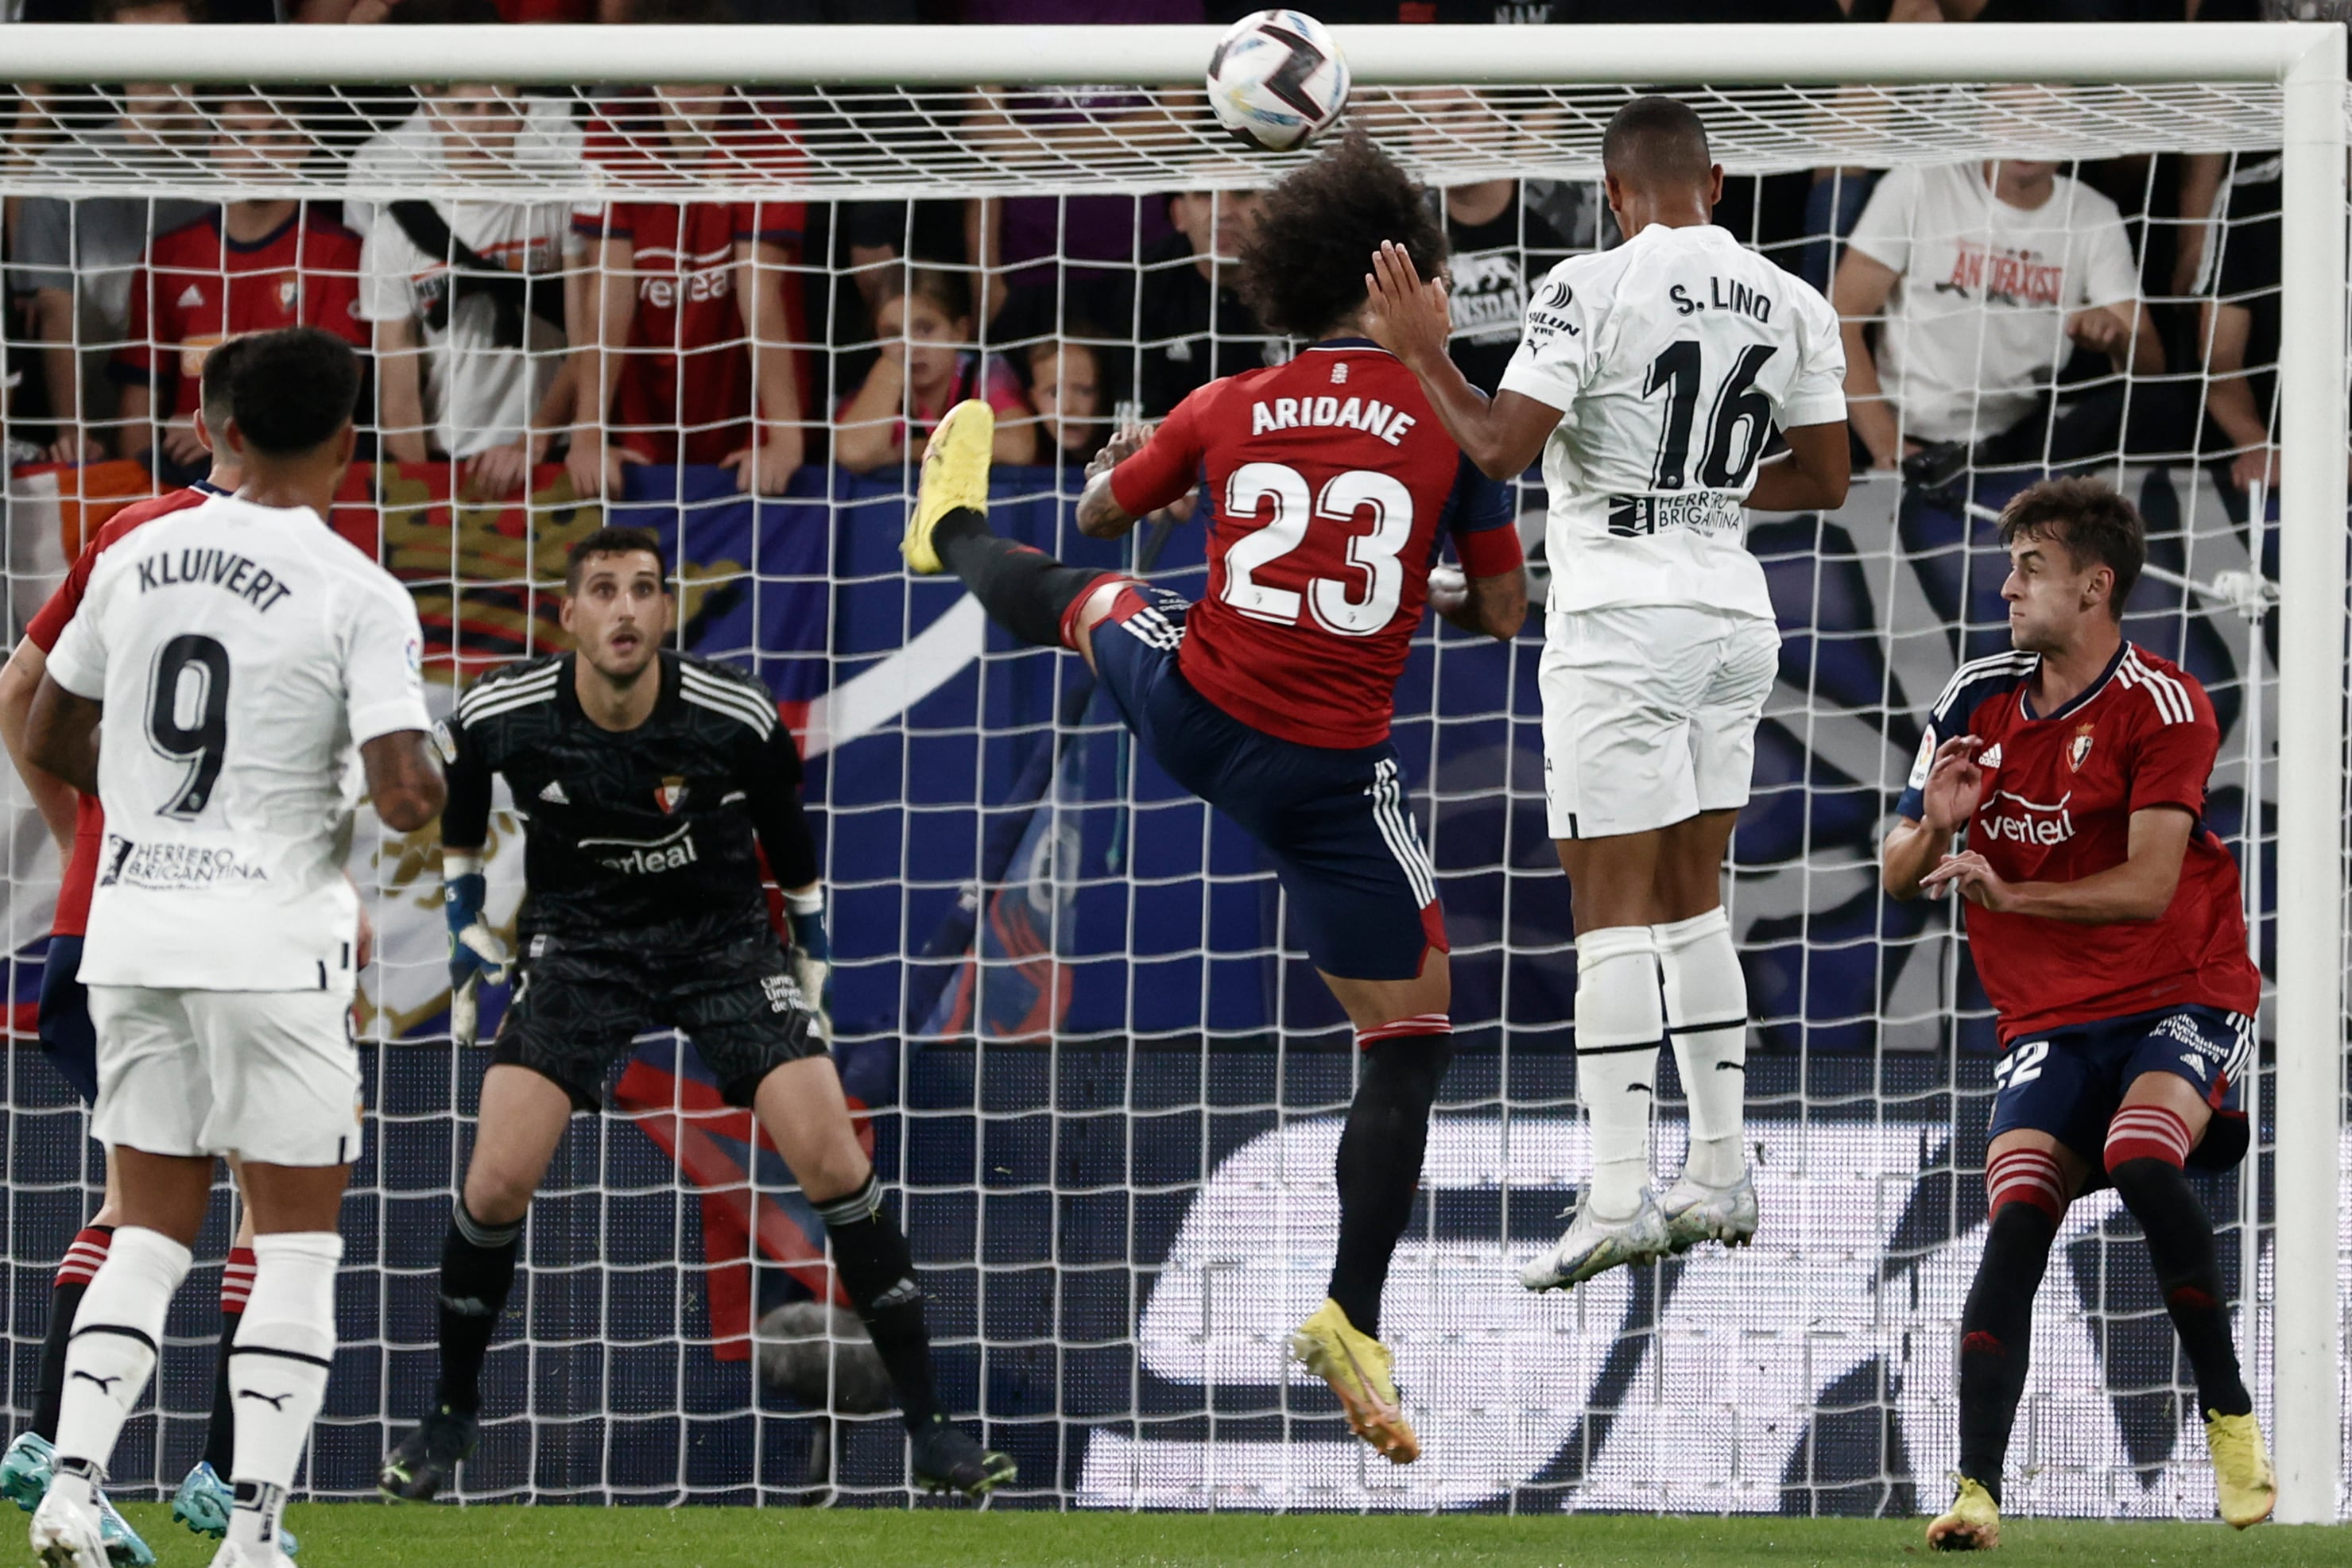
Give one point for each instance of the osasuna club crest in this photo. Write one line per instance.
(2078, 749)
(671, 795)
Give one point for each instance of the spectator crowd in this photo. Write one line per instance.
(2020, 315)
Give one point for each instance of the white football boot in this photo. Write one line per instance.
(1696, 1213)
(67, 1534)
(1594, 1246)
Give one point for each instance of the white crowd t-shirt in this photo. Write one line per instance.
(478, 395)
(1671, 358)
(1976, 327)
(243, 655)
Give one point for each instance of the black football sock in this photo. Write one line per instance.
(237, 1287)
(2180, 1243)
(1378, 1166)
(878, 1273)
(1997, 1337)
(478, 1267)
(1023, 590)
(81, 1262)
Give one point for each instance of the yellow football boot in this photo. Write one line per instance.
(955, 474)
(2242, 1478)
(1356, 1365)
(1971, 1524)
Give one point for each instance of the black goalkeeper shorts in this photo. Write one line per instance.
(577, 1007)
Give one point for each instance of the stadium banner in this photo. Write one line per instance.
(1105, 1087)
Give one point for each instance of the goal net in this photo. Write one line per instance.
(1099, 1077)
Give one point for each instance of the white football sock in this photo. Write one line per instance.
(277, 1372)
(1618, 1024)
(112, 1352)
(1707, 1009)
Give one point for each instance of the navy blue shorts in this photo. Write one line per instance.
(2071, 1082)
(1333, 822)
(66, 1037)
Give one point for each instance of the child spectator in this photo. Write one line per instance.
(924, 319)
(254, 266)
(468, 303)
(1066, 387)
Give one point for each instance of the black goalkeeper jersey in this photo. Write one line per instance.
(645, 836)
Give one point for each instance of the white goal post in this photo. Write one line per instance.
(2218, 82)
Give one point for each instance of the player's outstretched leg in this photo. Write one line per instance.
(2027, 1189)
(1706, 1015)
(1377, 1170)
(1023, 590)
(1619, 1018)
(2148, 1142)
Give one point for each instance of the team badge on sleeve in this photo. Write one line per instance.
(2078, 750)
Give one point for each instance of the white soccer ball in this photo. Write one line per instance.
(1277, 80)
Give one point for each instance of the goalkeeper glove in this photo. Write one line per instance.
(476, 953)
(811, 956)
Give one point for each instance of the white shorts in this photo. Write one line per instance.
(1649, 714)
(270, 1076)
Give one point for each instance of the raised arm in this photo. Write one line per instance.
(1504, 435)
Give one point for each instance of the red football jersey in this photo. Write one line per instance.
(1328, 486)
(199, 289)
(685, 393)
(47, 624)
(2056, 805)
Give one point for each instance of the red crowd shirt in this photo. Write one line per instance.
(685, 392)
(49, 624)
(1328, 486)
(199, 289)
(2058, 796)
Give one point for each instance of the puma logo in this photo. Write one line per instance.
(105, 1385)
(275, 1401)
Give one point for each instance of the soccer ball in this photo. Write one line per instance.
(1277, 80)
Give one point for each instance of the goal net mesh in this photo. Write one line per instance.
(1100, 1079)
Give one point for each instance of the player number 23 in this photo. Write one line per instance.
(1335, 603)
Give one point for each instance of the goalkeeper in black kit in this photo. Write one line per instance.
(650, 781)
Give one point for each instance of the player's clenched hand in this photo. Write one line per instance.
(1405, 316)
(1955, 783)
(1972, 876)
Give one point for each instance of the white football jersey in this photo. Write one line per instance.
(243, 654)
(1671, 359)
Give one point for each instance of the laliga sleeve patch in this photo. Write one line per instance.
(445, 741)
(1925, 761)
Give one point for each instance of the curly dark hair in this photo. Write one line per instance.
(1303, 266)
